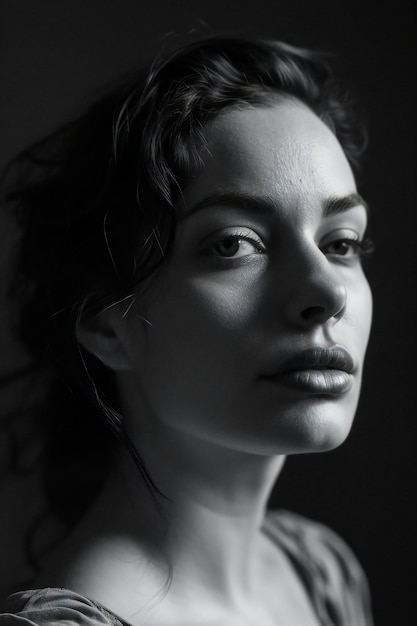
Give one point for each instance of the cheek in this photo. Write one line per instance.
(367, 304)
(219, 304)
(193, 355)
(361, 310)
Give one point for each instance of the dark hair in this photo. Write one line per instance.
(96, 202)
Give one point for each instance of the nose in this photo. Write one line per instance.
(318, 296)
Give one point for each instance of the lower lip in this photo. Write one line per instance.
(324, 382)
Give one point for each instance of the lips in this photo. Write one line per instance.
(317, 370)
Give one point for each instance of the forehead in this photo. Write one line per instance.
(282, 151)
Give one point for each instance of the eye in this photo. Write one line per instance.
(235, 246)
(346, 244)
(343, 247)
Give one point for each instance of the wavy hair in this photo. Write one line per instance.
(96, 202)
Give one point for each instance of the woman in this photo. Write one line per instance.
(192, 260)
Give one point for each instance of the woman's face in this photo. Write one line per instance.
(264, 294)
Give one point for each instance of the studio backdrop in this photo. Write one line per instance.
(56, 56)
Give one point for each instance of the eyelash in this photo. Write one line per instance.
(360, 247)
(239, 237)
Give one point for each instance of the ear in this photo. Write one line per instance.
(103, 336)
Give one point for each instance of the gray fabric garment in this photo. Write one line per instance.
(332, 576)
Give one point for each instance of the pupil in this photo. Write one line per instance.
(228, 247)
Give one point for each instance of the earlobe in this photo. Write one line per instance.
(104, 340)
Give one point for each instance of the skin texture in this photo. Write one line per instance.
(220, 324)
(241, 293)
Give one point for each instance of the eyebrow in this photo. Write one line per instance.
(266, 206)
(332, 206)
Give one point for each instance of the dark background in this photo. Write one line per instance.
(54, 56)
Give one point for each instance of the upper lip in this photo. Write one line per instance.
(317, 357)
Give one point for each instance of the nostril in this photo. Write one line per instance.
(313, 312)
(317, 301)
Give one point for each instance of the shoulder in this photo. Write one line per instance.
(52, 606)
(330, 571)
(316, 540)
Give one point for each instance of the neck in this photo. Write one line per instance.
(213, 508)
(204, 529)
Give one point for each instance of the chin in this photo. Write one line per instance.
(324, 436)
(320, 427)
(299, 438)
